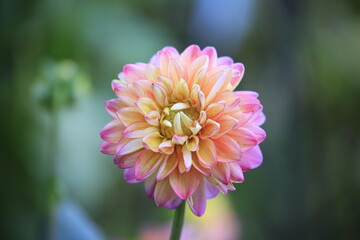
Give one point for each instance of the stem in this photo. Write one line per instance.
(178, 222)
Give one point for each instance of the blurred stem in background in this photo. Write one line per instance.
(58, 86)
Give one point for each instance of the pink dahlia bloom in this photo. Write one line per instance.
(179, 127)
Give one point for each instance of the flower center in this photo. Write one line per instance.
(177, 119)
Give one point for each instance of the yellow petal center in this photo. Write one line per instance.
(177, 119)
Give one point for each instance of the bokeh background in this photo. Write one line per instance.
(59, 57)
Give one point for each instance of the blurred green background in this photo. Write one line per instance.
(57, 62)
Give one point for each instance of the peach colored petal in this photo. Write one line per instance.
(146, 163)
(176, 71)
(228, 149)
(186, 157)
(206, 152)
(113, 105)
(192, 143)
(181, 90)
(166, 147)
(246, 138)
(214, 110)
(163, 193)
(129, 115)
(108, 148)
(134, 72)
(146, 105)
(149, 185)
(196, 68)
(112, 132)
(160, 95)
(152, 118)
(138, 130)
(205, 170)
(184, 185)
(236, 173)
(179, 139)
(211, 52)
(126, 161)
(209, 129)
(189, 55)
(126, 146)
(227, 124)
(167, 167)
(222, 173)
(152, 141)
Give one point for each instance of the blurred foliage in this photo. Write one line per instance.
(301, 56)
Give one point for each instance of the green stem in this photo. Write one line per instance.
(178, 222)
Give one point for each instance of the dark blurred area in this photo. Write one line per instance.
(57, 62)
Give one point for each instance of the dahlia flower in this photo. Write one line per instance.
(181, 129)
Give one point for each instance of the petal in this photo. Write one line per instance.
(224, 61)
(236, 172)
(160, 94)
(179, 139)
(127, 146)
(202, 169)
(173, 204)
(214, 110)
(210, 190)
(108, 148)
(222, 173)
(133, 72)
(129, 176)
(246, 138)
(257, 131)
(238, 74)
(248, 101)
(112, 132)
(176, 71)
(228, 149)
(113, 105)
(197, 202)
(187, 157)
(180, 106)
(211, 52)
(146, 105)
(189, 54)
(251, 159)
(206, 152)
(192, 143)
(149, 185)
(152, 118)
(177, 125)
(196, 68)
(209, 129)
(181, 90)
(166, 147)
(216, 83)
(167, 167)
(227, 124)
(163, 193)
(126, 161)
(128, 115)
(184, 185)
(259, 119)
(146, 164)
(152, 141)
(138, 130)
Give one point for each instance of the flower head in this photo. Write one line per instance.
(179, 127)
